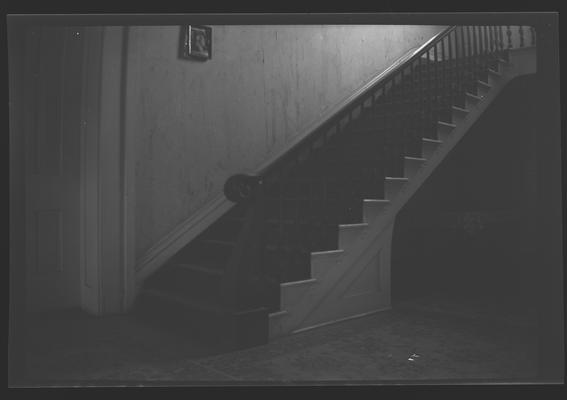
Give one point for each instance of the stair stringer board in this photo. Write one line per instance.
(348, 290)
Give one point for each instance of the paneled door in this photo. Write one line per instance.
(53, 76)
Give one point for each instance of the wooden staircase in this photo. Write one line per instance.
(308, 242)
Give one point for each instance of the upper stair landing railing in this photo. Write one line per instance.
(406, 103)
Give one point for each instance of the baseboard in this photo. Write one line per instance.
(158, 254)
(365, 314)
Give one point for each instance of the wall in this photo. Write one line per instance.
(195, 123)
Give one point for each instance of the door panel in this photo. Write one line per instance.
(53, 80)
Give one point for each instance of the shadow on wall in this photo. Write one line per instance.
(470, 228)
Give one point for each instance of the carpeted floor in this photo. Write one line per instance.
(429, 339)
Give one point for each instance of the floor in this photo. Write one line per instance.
(432, 339)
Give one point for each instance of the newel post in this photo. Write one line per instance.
(243, 262)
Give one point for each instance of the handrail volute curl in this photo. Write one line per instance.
(241, 187)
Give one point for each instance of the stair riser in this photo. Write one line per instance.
(482, 90)
(371, 210)
(276, 324)
(288, 265)
(320, 237)
(412, 167)
(292, 293)
(392, 188)
(428, 149)
(458, 117)
(321, 263)
(350, 234)
(493, 79)
(444, 131)
(471, 103)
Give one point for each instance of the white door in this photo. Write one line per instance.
(53, 67)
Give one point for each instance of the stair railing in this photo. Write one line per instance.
(409, 100)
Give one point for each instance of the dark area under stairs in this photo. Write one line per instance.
(324, 191)
(486, 174)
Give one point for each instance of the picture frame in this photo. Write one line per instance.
(197, 42)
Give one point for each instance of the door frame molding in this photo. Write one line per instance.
(107, 175)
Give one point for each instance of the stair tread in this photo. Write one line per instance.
(302, 198)
(396, 178)
(279, 313)
(324, 252)
(212, 270)
(217, 241)
(415, 158)
(473, 96)
(299, 282)
(357, 224)
(287, 221)
(483, 83)
(456, 108)
(449, 124)
(201, 304)
(431, 140)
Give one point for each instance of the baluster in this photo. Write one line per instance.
(533, 35)
(452, 66)
(407, 100)
(490, 40)
(489, 51)
(262, 212)
(481, 47)
(396, 101)
(444, 83)
(509, 33)
(500, 42)
(428, 90)
(281, 235)
(470, 44)
(311, 227)
(487, 44)
(399, 104)
(325, 204)
(476, 53)
(487, 40)
(420, 85)
(521, 32)
(481, 44)
(494, 46)
(300, 205)
(413, 96)
(371, 102)
(482, 40)
(386, 107)
(462, 65)
(495, 39)
(437, 87)
(469, 56)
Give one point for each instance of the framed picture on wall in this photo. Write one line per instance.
(197, 42)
